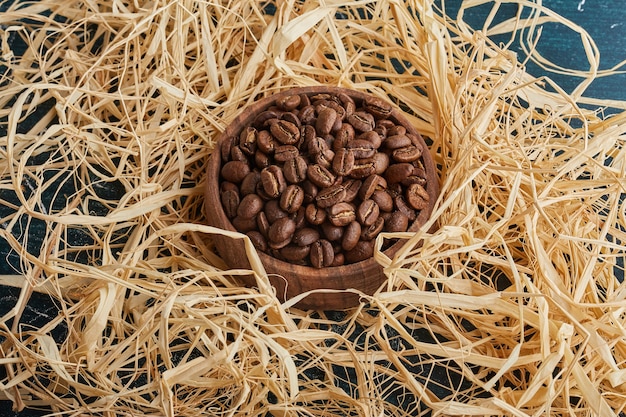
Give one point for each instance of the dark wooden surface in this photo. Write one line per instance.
(604, 20)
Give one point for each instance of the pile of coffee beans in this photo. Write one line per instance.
(315, 178)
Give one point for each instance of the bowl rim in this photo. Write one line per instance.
(246, 116)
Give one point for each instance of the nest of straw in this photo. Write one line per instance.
(512, 306)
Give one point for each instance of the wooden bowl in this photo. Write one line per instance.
(288, 279)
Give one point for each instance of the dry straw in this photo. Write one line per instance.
(511, 307)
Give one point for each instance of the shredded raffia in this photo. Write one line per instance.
(513, 305)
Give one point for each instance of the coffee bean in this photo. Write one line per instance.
(383, 199)
(264, 117)
(281, 230)
(299, 217)
(273, 181)
(407, 154)
(325, 158)
(284, 153)
(373, 230)
(343, 162)
(372, 137)
(261, 160)
(321, 254)
(248, 140)
(291, 199)
(273, 211)
(363, 168)
(250, 182)
(397, 222)
(244, 224)
(362, 251)
(285, 132)
(230, 202)
(380, 161)
(325, 120)
(417, 196)
(402, 206)
(258, 240)
(294, 170)
(266, 142)
(332, 232)
(341, 214)
(289, 103)
(370, 185)
(330, 196)
(320, 176)
(295, 253)
(398, 172)
(367, 212)
(361, 148)
(262, 224)
(352, 188)
(310, 191)
(307, 115)
(250, 206)
(351, 236)
(235, 171)
(361, 121)
(227, 144)
(305, 236)
(397, 141)
(377, 107)
(315, 215)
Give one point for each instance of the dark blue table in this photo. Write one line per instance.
(605, 21)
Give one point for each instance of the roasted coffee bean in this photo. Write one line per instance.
(347, 103)
(307, 115)
(261, 160)
(325, 158)
(294, 170)
(291, 117)
(402, 206)
(250, 183)
(299, 217)
(417, 196)
(316, 145)
(351, 236)
(320, 176)
(273, 181)
(262, 224)
(250, 206)
(344, 135)
(352, 188)
(235, 171)
(284, 153)
(314, 214)
(341, 214)
(367, 212)
(258, 240)
(310, 191)
(227, 144)
(281, 230)
(291, 199)
(228, 186)
(273, 211)
(397, 222)
(276, 246)
(394, 130)
(266, 142)
(305, 236)
(289, 103)
(343, 162)
(243, 224)
(285, 132)
(373, 230)
(361, 148)
(294, 253)
(397, 141)
(370, 185)
(247, 140)
(378, 107)
(330, 196)
(264, 117)
(321, 254)
(363, 168)
(362, 251)
(380, 161)
(230, 202)
(339, 259)
(361, 121)
(332, 232)
(372, 137)
(407, 154)
(398, 172)
(383, 199)
(325, 120)
(304, 100)
(236, 154)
